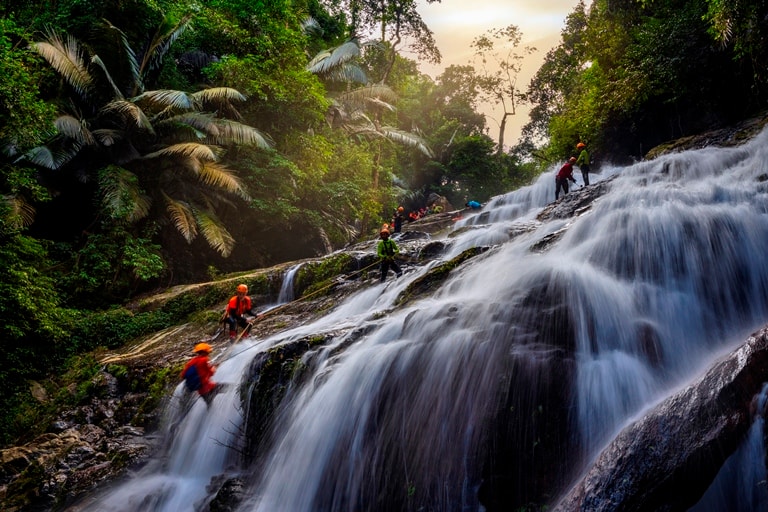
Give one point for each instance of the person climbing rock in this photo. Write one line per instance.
(387, 250)
(198, 372)
(563, 176)
(234, 315)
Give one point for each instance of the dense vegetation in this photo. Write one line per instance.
(152, 143)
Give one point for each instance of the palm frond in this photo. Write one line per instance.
(201, 152)
(107, 137)
(232, 132)
(130, 111)
(215, 233)
(218, 95)
(182, 216)
(161, 43)
(130, 57)
(217, 175)
(407, 139)
(383, 105)
(115, 89)
(202, 123)
(310, 26)
(166, 98)
(327, 60)
(359, 98)
(347, 73)
(68, 58)
(74, 128)
(49, 158)
(20, 214)
(122, 195)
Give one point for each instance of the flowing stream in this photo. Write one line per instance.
(526, 362)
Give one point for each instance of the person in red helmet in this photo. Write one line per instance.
(237, 307)
(387, 250)
(583, 162)
(198, 372)
(563, 176)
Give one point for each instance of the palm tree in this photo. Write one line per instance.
(154, 154)
(359, 111)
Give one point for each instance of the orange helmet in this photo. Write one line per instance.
(580, 145)
(241, 288)
(400, 208)
(202, 347)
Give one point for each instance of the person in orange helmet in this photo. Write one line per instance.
(198, 372)
(583, 162)
(397, 219)
(237, 306)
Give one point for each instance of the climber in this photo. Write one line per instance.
(563, 175)
(198, 371)
(238, 305)
(387, 250)
(583, 162)
(397, 219)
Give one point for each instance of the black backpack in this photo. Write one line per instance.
(192, 378)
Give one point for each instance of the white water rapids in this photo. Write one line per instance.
(635, 297)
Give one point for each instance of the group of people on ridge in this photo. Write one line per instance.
(565, 174)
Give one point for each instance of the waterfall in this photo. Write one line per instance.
(286, 290)
(524, 363)
(202, 442)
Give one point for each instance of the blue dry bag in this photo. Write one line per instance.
(192, 378)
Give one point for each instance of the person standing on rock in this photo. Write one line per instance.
(583, 162)
(563, 176)
(236, 309)
(397, 219)
(387, 250)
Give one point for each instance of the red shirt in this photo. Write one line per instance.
(565, 171)
(204, 370)
(239, 305)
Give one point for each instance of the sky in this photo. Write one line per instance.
(456, 23)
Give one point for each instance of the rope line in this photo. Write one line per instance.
(282, 306)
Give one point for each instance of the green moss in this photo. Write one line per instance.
(158, 384)
(435, 277)
(315, 276)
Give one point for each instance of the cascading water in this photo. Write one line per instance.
(286, 290)
(524, 364)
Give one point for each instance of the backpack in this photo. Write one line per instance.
(192, 378)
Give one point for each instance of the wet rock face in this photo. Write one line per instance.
(668, 458)
(53, 469)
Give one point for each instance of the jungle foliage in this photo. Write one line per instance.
(146, 144)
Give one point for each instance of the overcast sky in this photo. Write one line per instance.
(456, 23)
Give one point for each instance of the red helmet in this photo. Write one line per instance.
(241, 288)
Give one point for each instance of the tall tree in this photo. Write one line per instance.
(499, 65)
